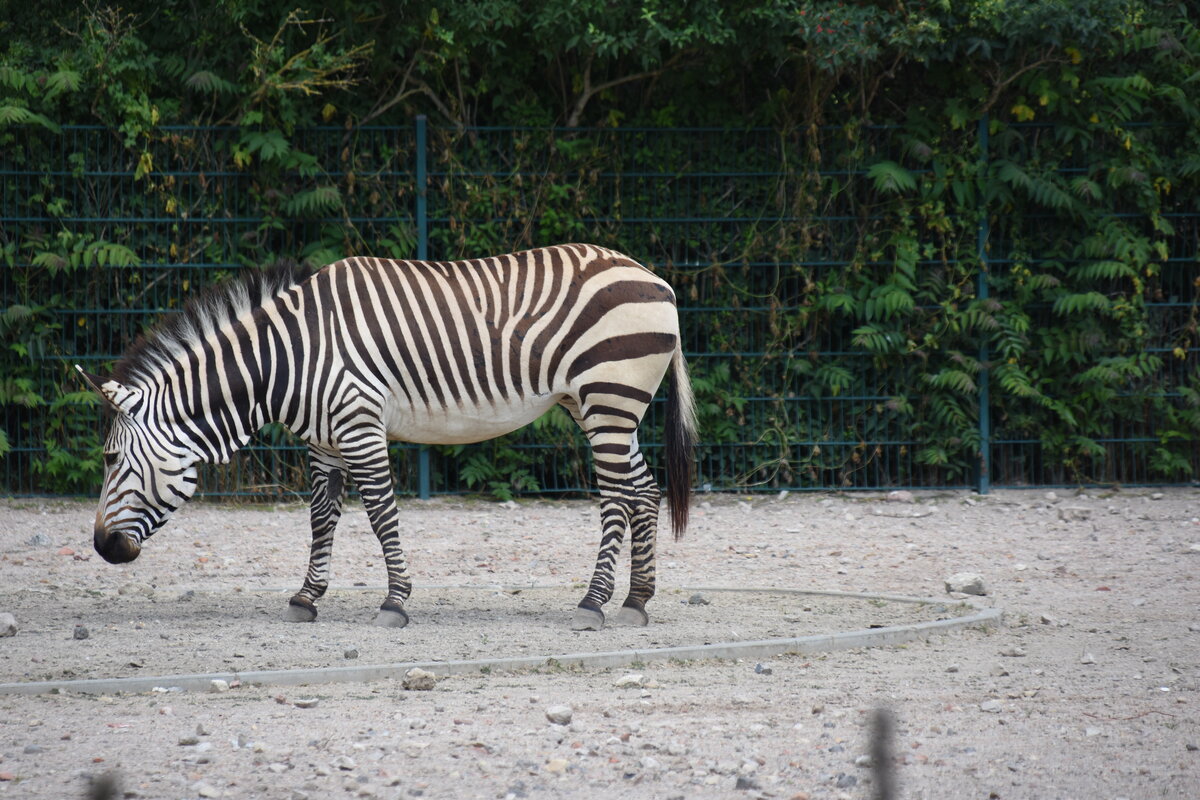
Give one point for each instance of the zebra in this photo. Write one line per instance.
(368, 350)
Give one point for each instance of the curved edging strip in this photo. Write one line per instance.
(762, 648)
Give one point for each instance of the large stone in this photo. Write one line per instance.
(419, 680)
(559, 715)
(966, 583)
(8, 625)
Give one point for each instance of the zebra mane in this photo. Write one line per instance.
(204, 312)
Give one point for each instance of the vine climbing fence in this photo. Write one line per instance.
(992, 305)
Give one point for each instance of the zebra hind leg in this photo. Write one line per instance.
(328, 493)
(643, 533)
(614, 521)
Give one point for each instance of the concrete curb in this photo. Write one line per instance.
(763, 648)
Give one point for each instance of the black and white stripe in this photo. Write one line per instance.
(369, 350)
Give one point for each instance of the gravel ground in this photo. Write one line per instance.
(1088, 691)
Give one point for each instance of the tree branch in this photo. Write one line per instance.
(589, 91)
(1002, 85)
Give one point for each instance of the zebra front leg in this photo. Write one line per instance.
(372, 474)
(328, 493)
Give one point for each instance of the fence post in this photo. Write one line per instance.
(984, 479)
(423, 468)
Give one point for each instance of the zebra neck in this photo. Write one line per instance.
(215, 398)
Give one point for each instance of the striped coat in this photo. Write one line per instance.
(370, 350)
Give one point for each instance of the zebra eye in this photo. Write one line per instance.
(110, 459)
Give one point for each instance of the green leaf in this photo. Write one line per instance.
(17, 115)
(891, 178)
(63, 82)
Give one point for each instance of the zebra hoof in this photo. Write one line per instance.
(391, 616)
(587, 619)
(300, 610)
(632, 616)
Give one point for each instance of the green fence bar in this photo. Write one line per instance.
(984, 479)
(424, 478)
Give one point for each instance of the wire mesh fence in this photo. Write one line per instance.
(760, 231)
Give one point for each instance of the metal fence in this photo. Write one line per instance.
(711, 208)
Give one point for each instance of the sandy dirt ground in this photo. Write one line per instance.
(1089, 690)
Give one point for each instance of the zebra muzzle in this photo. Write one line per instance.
(115, 547)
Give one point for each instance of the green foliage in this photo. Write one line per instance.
(835, 239)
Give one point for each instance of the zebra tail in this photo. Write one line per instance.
(681, 441)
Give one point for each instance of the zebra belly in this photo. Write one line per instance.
(462, 424)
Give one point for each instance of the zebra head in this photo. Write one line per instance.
(148, 473)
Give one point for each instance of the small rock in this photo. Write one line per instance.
(999, 671)
(1157, 496)
(32, 749)
(953, 668)
(698, 600)
(8, 625)
(901, 496)
(216, 685)
(1074, 513)
(632, 679)
(1087, 658)
(188, 741)
(746, 783)
(80, 632)
(559, 715)
(419, 680)
(991, 706)
(650, 763)
(38, 540)
(557, 765)
(966, 583)
(1051, 497)
(306, 702)
(206, 790)
(845, 781)
(344, 763)
(763, 669)
(862, 761)
(1092, 732)
(1012, 652)
(350, 652)
(1191, 747)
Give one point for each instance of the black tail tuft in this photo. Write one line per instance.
(681, 441)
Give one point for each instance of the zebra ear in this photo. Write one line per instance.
(120, 396)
